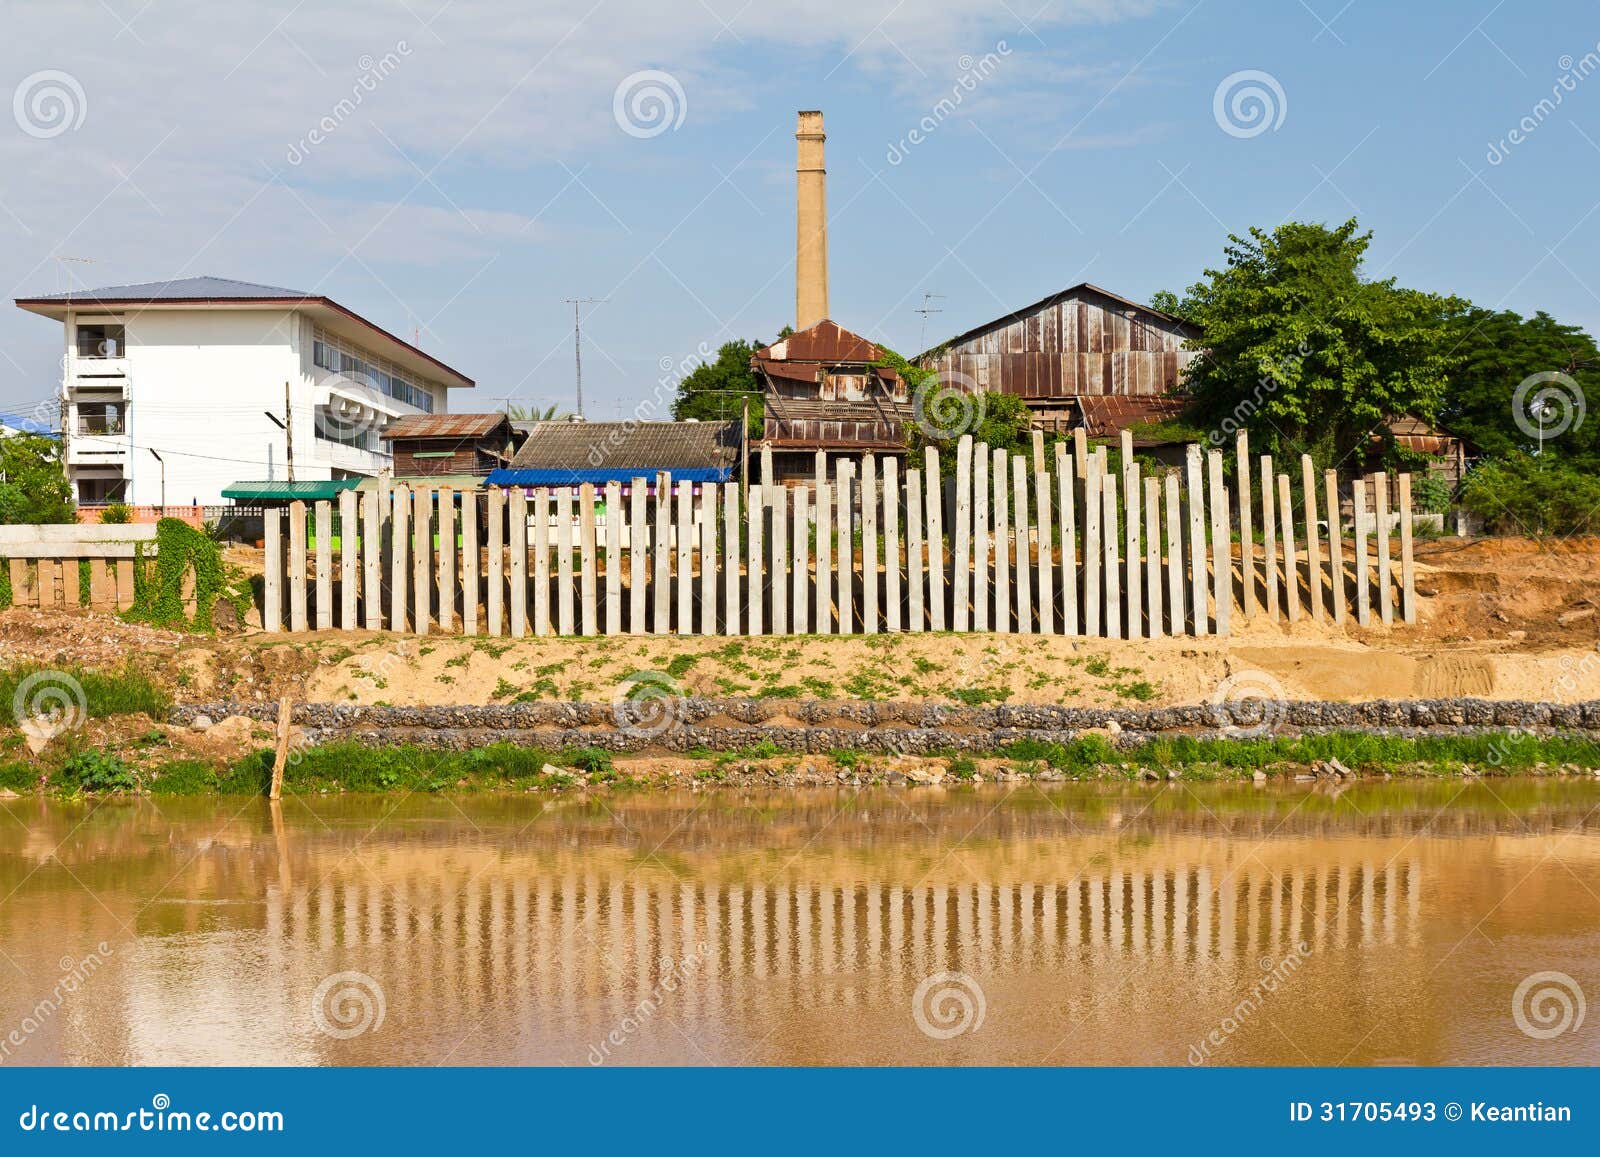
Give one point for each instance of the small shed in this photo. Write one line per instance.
(570, 453)
(437, 445)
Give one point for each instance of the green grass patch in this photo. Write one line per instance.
(105, 693)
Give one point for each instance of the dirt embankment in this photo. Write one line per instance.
(1500, 619)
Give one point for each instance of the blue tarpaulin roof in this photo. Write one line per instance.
(561, 477)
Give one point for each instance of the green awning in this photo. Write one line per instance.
(289, 491)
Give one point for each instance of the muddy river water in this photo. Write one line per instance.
(1425, 923)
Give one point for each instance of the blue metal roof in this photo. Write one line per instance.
(560, 477)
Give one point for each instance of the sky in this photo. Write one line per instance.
(457, 169)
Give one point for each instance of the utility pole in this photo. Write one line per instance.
(577, 304)
(288, 430)
(163, 463)
(922, 340)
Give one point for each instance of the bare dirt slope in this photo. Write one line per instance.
(1499, 618)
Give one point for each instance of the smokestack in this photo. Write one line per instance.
(811, 223)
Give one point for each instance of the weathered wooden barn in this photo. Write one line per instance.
(436, 445)
(1081, 343)
(822, 392)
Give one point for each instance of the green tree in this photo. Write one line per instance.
(716, 390)
(1523, 494)
(33, 487)
(1304, 351)
(1492, 356)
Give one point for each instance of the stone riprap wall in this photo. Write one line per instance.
(817, 727)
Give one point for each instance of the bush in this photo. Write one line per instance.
(97, 771)
(1538, 496)
(117, 514)
(1430, 494)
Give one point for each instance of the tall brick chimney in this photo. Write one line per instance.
(811, 223)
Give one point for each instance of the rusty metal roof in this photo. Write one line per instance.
(1061, 295)
(1107, 415)
(826, 342)
(642, 447)
(448, 426)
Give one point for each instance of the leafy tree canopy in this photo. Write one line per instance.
(715, 391)
(1492, 356)
(1305, 352)
(33, 487)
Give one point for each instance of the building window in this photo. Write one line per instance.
(101, 341)
(327, 356)
(102, 418)
(97, 491)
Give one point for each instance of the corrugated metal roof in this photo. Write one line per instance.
(601, 475)
(1052, 299)
(447, 426)
(1107, 415)
(827, 341)
(181, 289)
(310, 491)
(628, 449)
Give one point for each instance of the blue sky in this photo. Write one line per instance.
(484, 177)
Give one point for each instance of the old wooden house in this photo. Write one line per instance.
(1075, 346)
(439, 445)
(823, 392)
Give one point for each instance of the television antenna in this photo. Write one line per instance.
(922, 339)
(577, 304)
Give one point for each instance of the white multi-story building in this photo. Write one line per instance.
(173, 390)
